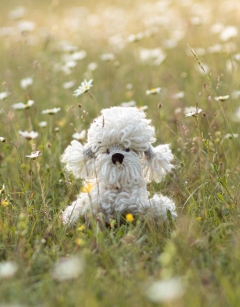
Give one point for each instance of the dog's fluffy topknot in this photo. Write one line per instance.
(124, 126)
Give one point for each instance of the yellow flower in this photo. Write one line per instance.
(4, 203)
(112, 223)
(129, 218)
(79, 242)
(198, 218)
(87, 188)
(81, 228)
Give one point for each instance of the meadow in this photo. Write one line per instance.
(191, 51)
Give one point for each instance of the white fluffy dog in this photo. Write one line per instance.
(117, 162)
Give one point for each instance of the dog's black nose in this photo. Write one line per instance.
(117, 157)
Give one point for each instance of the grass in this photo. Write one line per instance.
(121, 262)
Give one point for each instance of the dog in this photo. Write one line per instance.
(117, 162)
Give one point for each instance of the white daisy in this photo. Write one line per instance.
(231, 136)
(28, 135)
(165, 290)
(228, 32)
(51, 111)
(17, 13)
(192, 111)
(3, 95)
(79, 135)
(26, 26)
(107, 57)
(131, 103)
(179, 95)
(83, 88)
(34, 155)
(79, 55)
(24, 83)
(68, 268)
(23, 106)
(69, 84)
(2, 139)
(153, 91)
(221, 98)
(143, 108)
(42, 124)
(8, 269)
(92, 66)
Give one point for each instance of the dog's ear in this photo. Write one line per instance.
(79, 160)
(157, 162)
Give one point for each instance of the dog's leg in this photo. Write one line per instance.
(84, 203)
(160, 205)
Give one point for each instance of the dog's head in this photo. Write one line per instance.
(119, 151)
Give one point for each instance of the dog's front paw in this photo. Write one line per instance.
(160, 205)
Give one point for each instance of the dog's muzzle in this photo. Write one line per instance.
(117, 157)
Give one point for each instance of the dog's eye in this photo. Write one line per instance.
(108, 151)
(127, 149)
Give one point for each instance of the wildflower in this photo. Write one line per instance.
(231, 136)
(79, 135)
(42, 124)
(129, 217)
(178, 110)
(237, 57)
(217, 28)
(22, 106)
(81, 228)
(28, 135)
(69, 84)
(87, 188)
(215, 48)
(112, 223)
(236, 116)
(165, 290)
(24, 83)
(179, 95)
(135, 37)
(26, 26)
(79, 55)
(4, 203)
(153, 91)
(3, 95)
(235, 94)
(83, 88)
(228, 32)
(51, 111)
(221, 98)
(17, 13)
(70, 64)
(92, 66)
(34, 155)
(192, 111)
(198, 219)
(143, 108)
(8, 269)
(79, 241)
(68, 268)
(153, 56)
(131, 103)
(2, 139)
(107, 57)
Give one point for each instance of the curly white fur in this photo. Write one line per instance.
(118, 160)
